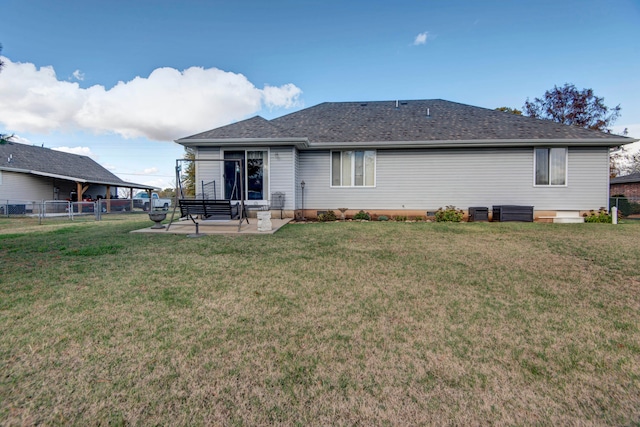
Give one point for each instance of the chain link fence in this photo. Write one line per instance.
(65, 209)
(627, 206)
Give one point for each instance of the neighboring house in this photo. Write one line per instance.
(628, 185)
(31, 173)
(408, 157)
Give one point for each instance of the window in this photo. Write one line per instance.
(255, 168)
(551, 166)
(355, 168)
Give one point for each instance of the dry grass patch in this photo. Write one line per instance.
(341, 324)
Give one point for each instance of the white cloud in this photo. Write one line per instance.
(150, 171)
(20, 140)
(421, 39)
(163, 106)
(78, 75)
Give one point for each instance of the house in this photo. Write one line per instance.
(407, 158)
(627, 185)
(31, 174)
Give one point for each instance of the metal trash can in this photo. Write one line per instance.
(478, 214)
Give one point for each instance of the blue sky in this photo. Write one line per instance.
(119, 80)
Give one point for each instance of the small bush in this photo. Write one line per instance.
(327, 216)
(400, 218)
(418, 218)
(362, 215)
(449, 214)
(601, 216)
(383, 218)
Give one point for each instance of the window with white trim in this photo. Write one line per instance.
(550, 166)
(353, 168)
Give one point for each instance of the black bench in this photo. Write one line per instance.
(207, 209)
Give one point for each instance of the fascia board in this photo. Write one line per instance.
(82, 180)
(474, 143)
(297, 142)
(49, 175)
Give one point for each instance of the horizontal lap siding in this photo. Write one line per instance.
(298, 179)
(25, 187)
(281, 174)
(428, 179)
(208, 171)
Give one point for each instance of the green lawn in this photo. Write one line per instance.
(320, 324)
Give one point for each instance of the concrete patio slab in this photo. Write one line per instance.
(187, 227)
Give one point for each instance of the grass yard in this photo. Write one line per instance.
(320, 324)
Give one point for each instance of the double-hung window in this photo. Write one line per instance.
(551, 166)
(353, 168)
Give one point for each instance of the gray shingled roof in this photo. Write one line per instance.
(419, 120)
(626, 179)
(38, 160)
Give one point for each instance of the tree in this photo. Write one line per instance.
(167, 193)
(189, 177)
(5, 138)
(571, 106)
(1, 61)
(510, 110)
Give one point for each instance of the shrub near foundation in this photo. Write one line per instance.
(327, 216)
(362, 215)
(449, 214)
(601, 216)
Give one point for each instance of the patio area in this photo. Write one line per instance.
(187, 227)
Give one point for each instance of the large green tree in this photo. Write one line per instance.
(571, 106)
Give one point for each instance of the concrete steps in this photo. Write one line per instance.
(564, 217)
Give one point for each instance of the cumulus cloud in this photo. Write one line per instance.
(163, 106)
(421, 39)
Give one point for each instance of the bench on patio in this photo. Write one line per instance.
(211, 210)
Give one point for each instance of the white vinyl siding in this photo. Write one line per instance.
(23, 186)
(281, 174)
(427, 179)
(353, 168)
